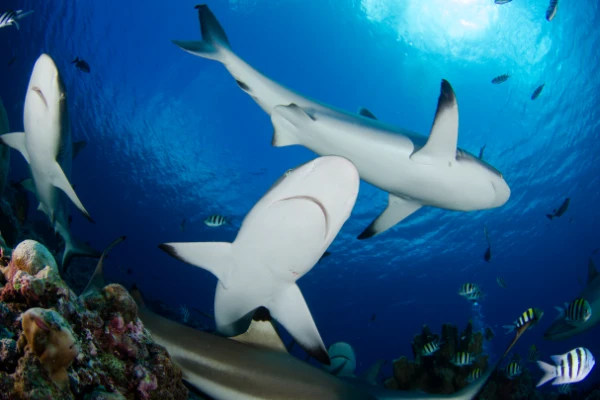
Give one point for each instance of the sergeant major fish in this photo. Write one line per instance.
(431, 347)
(10, 18)
(462, 358)
(513, 369)
(531, 315)
(215, 221)
(578, 311)
(570, 367)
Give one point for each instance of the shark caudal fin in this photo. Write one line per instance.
(214, 40)
(74, 248)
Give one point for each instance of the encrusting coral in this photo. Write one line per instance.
(56, 345)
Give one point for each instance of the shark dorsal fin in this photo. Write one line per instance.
(592, 271)
(96, 283)
(443, 138)
(366, 113)
(262, 332)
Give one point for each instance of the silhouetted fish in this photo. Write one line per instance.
(551, 11)
(82, 65)
(500, 78)
(561, 210)
(537, 91)
(502, 1)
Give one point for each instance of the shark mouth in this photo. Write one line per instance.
(39, 92)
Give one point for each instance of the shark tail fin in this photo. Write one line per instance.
(214, 40)
(74, 248)
(549, 372)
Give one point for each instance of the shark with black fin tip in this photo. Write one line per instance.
(563, 328)
(47, 147)
(281, 239)
(416, 171)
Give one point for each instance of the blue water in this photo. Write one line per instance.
(171, 136)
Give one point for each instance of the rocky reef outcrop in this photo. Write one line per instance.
(57, 345)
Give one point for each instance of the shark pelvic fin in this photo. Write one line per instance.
(290, 309)
(287, 122)
(262, 332)
(28, 185)
(397, 209)
(443, 138)
(213, 40)
(215, 257)
(59, 179)
(16, 140)
(366, 113)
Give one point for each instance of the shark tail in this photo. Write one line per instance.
(214, 43)
(74, 248)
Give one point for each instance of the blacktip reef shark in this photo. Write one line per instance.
(47, 147)
(415, 171)
(281, 239)
(562, 328)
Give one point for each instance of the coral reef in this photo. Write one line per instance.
(54, 344)
(436, 373)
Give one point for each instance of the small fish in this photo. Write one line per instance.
(481, 152)
(10, 18)
(462, 358)
(551, 10)
(560, 210)
(533, 315)
(513, 370)
(501, 282)
(570, 367)
(82, 65)
(533, 354)
(502, 1)
(500, 78)
(475, 296)
(474, 375)
(488, 334)
(579, 311)
(430, 348)
(215, 221)
(183, 225)
(12, 60)
(468, 288)
(537, 91)
(487, 256)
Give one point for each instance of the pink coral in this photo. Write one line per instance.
(147, 381)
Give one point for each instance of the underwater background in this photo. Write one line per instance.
(171, 137)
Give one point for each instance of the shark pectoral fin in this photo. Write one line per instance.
(59, 179)
(366, 113)
(287, 123)
(290, 309)
(443, 139)
(28, 185)
(397, 209)
(592, 271)
(262, 332)
(215, 257)
(77, 147)
(16, 140)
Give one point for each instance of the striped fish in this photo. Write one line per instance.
(570, 367)
(475, 296)
(474, 375)
(513, 370)
(533, 354)
(462, 358)
(537, 91)
(501, 282)
(551, 10)
(579, 310)
(215, 221)
(467, 289)
(431, 347)
(500, 78)
(10, 18)
(532, 315)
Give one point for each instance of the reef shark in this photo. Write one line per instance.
(561, 328)
(281, 239)
(47, 147)
(416, 171)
